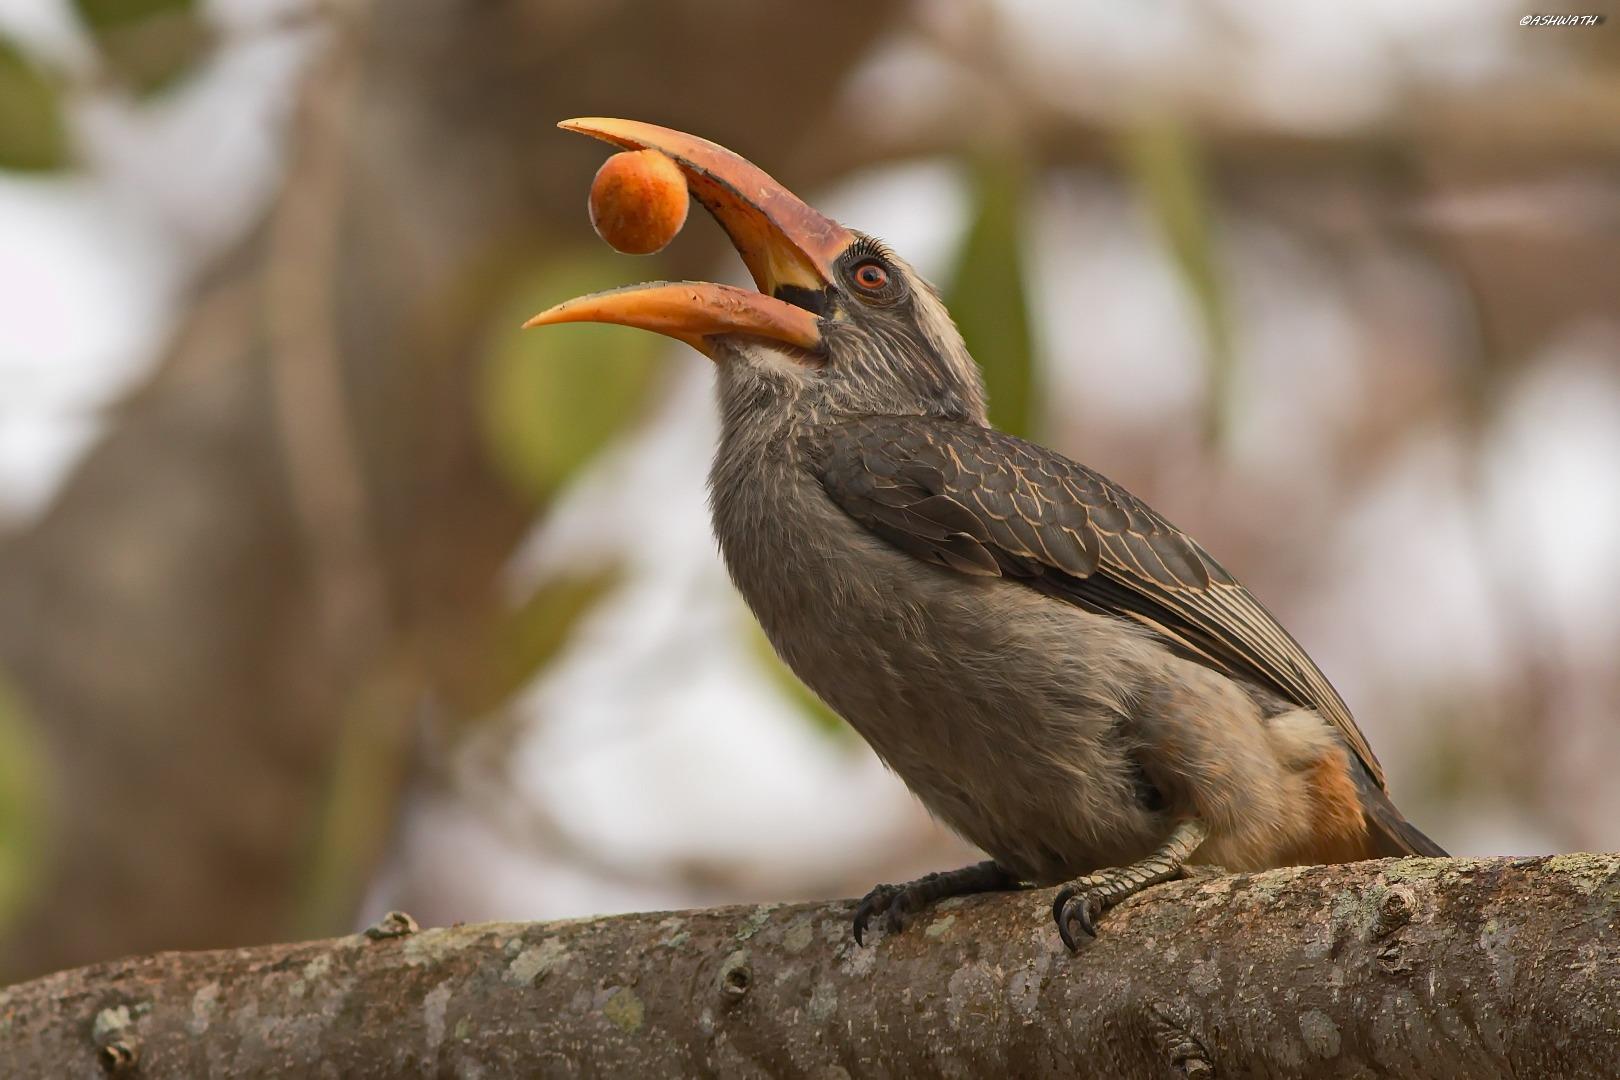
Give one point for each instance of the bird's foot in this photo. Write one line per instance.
(896, 904)
(893, 902)
(1079, 904)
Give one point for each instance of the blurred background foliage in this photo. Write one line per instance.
(1161, 156)
(550, 402)
(987, 294)
(146, 45)
(24, 775)
(33, 135)
(325, 589)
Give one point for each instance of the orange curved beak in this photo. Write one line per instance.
(788, 247)
(691, 311)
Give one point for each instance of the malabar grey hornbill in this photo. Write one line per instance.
(1059, 674)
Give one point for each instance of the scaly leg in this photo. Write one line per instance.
(900, 902)
(1083, 900)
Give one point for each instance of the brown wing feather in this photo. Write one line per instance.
(982, 502)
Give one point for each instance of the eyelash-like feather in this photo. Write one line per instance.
(867, 247)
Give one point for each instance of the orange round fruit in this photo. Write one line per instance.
(638, 201)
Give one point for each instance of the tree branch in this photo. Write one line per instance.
(1444, 967)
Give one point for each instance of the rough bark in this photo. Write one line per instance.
(1471, 968)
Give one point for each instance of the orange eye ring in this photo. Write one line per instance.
(871, 276)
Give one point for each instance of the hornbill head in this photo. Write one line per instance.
(840, 324)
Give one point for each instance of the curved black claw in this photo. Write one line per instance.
(898, 903)
(1076, 906)
(881, 900)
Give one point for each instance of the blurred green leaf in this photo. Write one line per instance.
(359, 811)
(1169, 173)
(372, 762)
(550, 399)
(814, 709)
(988, 297)
(530, 637)
(148, 45)
(23, 767)
(33, 133)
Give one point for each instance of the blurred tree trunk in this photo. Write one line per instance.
(1436, 968)
(285, 535)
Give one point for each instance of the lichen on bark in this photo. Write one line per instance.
(1467, 968)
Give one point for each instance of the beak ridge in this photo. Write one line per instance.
(782, 240)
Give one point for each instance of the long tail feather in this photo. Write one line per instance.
(1388, 832)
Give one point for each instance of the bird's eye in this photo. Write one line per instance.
(871, 276)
